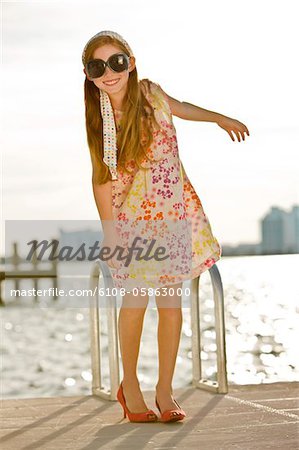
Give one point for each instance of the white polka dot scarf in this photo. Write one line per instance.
(109, 134)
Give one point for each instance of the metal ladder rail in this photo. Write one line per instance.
(220, 386)
(95, 333)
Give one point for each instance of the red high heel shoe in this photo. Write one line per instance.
(147, 416)
(171, 415)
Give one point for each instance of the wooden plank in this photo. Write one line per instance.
(31, 274)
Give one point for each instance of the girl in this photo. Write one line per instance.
(141, 190)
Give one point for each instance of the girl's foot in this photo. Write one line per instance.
(133, 396)
(165, 399)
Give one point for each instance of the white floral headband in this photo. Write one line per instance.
(109, 128)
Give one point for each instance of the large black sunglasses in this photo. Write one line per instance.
(118, 62)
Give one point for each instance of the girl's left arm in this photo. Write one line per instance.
(187, 111)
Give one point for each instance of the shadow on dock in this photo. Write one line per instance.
(256, 417)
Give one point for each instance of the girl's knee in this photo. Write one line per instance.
(170, 297)
(135, 301)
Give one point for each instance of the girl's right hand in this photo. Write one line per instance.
(111, 261)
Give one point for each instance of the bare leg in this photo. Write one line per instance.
(169, 333)
(130, 324)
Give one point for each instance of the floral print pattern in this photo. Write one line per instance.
(159, 203)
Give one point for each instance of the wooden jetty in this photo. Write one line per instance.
(35, 271)
(248, 417)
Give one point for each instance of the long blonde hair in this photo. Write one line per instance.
(138, 121)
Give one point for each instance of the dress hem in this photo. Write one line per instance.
(198, 270)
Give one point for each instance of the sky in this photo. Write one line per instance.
(242, 64)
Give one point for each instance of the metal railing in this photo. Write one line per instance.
(220, 386)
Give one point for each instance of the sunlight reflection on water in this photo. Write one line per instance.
(46, 350)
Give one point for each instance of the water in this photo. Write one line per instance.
(46, 344)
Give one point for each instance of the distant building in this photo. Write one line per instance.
(280, 235)
(86, 240)
(280, 231)
(292, 231)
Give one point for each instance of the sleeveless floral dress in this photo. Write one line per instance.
(158, 208)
